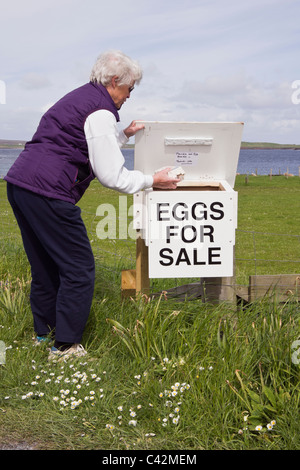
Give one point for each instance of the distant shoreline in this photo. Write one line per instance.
(268, 146)
(13, 144)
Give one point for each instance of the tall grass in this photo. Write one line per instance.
(160, 374)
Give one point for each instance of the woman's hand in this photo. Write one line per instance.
(133, 128)
(162, 180)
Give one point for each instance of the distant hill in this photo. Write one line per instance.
(6, 144)
(268, 145)
(245, 145)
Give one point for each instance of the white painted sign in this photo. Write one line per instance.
(191, 234)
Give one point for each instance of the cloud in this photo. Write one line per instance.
(47, 106)
(34, 81)
(236, 91)
(202, 59)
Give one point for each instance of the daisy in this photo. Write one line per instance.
(110, 427)
(132, 422)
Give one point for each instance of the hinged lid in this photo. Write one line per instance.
(205, 150)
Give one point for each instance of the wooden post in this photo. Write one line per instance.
(142, 271)
(220, 289)
(136, 281)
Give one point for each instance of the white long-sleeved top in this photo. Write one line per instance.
(104, 142)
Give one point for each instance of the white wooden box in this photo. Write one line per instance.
(190, 231)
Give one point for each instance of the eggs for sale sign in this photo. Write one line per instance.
(191, 234)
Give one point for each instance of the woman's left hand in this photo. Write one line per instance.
(133, 128)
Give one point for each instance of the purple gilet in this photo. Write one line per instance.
(55, 163)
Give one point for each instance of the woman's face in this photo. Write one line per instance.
(119, 93)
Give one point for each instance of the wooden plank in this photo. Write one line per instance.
(128, 279)
(213, 290)
(181, 293)
(128, 283)
(242, 292)
(188, 185)
(199, 184)
(284, 286)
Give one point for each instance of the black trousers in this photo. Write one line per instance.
(61, 260)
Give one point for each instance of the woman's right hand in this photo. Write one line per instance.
(162, 180)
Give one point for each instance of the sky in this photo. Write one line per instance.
(202, 60)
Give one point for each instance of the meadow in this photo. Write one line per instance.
(160, 374)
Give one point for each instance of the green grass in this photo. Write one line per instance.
(160, 374)
(267, 239)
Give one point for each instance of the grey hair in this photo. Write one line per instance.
(116, 64)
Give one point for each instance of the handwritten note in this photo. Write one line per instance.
(186, 158)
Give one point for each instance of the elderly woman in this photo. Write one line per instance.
(77, 140)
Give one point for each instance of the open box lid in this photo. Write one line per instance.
(206, 151)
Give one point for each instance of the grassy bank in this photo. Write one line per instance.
(160, 374)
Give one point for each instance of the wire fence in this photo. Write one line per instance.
(292, 249)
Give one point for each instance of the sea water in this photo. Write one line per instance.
(260, 161)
